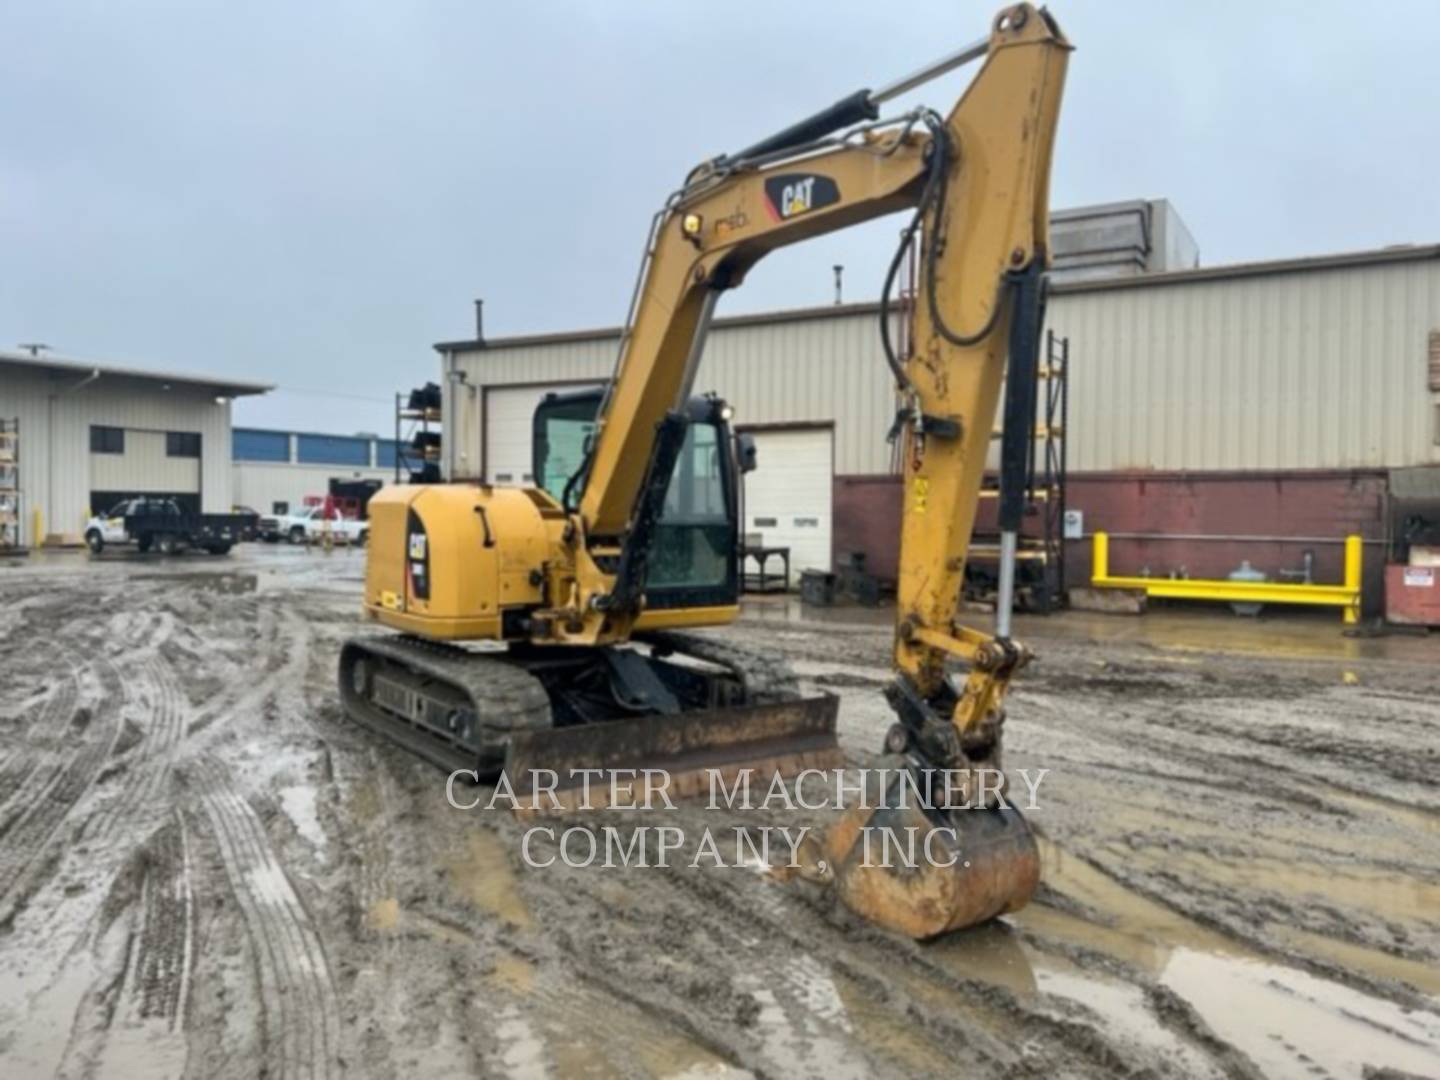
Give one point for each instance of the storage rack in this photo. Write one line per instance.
(1040, 553)
(418, 435)
(10, 521)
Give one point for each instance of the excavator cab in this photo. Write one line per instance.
(694, 558)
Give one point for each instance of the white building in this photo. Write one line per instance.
(291, 467)
(91, 434)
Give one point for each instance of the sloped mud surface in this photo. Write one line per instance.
(205, 872)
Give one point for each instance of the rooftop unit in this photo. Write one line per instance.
(1124, 239)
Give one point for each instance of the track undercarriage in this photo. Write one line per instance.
(683, 703)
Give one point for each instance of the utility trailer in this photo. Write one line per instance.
(161, 524)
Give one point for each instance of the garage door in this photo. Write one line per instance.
(508, 414)
(128, 462)
(788, 496)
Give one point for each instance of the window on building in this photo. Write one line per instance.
(385, 453)
(107, 440)
(182, 444)
(250, 444)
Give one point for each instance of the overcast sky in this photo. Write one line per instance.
(312, 193)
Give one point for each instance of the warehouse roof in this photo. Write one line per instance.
(1344, 260)
(50, 363)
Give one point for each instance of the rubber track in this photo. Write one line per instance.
(505, 697)
(767, 678)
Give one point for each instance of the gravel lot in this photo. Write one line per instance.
(206, 872)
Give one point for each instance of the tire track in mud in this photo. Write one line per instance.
(160, 974)
(153, 759)
(19, 766)
(279, 666)
(132, 1020)
(28, 834)
(298, 999)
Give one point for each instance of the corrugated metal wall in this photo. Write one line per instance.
(260, 484)
(1301, 369)
(1320, 369)
(56, 431)
(819, 370)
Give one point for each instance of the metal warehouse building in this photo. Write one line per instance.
(93, 434)
(288, 467)
(1249, 411)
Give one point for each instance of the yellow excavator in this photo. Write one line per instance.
(547, 627)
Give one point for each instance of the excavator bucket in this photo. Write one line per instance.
(685, 752)
(923, 871)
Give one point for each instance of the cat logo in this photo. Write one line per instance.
(792, 194)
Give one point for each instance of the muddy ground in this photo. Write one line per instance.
(205, 872)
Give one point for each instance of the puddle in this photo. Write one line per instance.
(990, 952)
(521, 1051)
(226, 584)
(1286, 1020)
(1126, 1017)
(666, 1054)
(298, 801)
(384, 915)
(799, 1044)
(515, 973)
(482, 873)
(1373, 962)
(1383, 894)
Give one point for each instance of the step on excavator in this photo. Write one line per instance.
(550, 627)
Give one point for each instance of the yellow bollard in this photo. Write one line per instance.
(1354, 566)
(1100, 557)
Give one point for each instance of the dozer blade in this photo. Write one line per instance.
(926, 871)
(691, 748)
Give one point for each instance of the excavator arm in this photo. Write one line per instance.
(977, 184)
(977, 181)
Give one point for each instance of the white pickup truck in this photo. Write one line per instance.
(310, 525)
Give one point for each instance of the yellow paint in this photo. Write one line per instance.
(1345, 596)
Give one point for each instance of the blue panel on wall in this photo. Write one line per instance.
(332, 450)
(248, 444)
(385, 453)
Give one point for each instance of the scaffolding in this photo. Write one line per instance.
(10, 520)
(417, 435)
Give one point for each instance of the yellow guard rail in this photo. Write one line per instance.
(1346, 595)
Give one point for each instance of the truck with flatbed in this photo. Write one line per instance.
(163, 525)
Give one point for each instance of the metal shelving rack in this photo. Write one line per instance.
(417, 456)
(10, 520)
